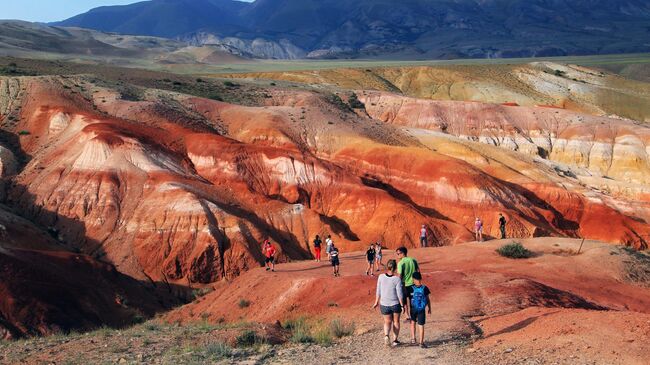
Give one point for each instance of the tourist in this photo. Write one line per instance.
(423, 236)
(370, 256)
(329, 243)
(502, 226)
(418, 301)
(405, 269)
(269, 252)
(389, 297)
(378, 255)
(317, 244)
(478, 229)
(334, 259)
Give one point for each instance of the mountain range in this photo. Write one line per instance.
(387, 29)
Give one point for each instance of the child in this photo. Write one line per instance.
(370, 256)
(418, 300)
(378, 255)
(334, 258)
(269, 252)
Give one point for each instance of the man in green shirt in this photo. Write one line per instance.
(405, 269)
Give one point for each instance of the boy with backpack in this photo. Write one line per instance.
(418, 300)
(334, 258)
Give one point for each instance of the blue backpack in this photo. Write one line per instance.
(418, 299)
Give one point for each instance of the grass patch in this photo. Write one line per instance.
(243, 303)
(198, 293)
(340, 329)
(319, 332)
(515, 250)
(217, 351)
(24, 133)
(249, 338)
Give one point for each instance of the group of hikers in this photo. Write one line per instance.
(400, 289)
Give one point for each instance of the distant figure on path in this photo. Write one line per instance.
(269, 252)
(334, 258)
(502, 226)
(370, 256)
(317, 244)
(405, 269)
(418, 301)
(478, 229)
(423, 236)
(378, 255)
(389, 296)
(329, 244)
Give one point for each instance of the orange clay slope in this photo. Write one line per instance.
(178, 192)
(544, 303)
(181, 189)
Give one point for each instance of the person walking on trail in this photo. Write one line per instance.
(389, 297)
(378, 255)
(502, 226)
(478, 229)
(328, 245)
(418, 301)
(317, 244)
(370, 256)
(334, 258)
(406, 267)
(269, 252)
(423, 236)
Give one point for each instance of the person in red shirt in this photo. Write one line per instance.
(269, 252)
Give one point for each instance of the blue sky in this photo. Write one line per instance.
(51, 10)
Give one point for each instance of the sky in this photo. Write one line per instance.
(51, 10)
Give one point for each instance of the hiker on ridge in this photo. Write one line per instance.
(423, 236)
(328, 245)
(269, 252)
(378, 255)
(389, 296)
(502, 226)
(370, 256)
(478, 229)
(317, 244)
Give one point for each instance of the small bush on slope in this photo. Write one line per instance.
(515, 250)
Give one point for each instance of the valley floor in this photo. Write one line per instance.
(559, 307)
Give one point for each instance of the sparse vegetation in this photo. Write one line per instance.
(355, 103)
(24, 133)
(249, 338)
(243, 303)
(217, 350)
(229, 84)
(340, 329)
(515, 250)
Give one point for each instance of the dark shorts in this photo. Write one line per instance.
(419, 317)
(371, 261)
(335, 261)
(269, 260)
(390, 310)
(405, 291)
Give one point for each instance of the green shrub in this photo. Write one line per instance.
(355, 103)
(243, 303)
(340, 329)
(218, 350)
(24, 133)
(323, 337)
(515, 250)
(249, 338)
(229, 84)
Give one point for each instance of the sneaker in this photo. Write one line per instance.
(396, 343)
(413, 342)
(386, 340)
(273, 270)
(267, 269)
(423, 346)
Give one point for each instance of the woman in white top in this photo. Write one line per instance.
(389, 297)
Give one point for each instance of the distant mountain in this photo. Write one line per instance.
(388, 28)
(24, 39)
